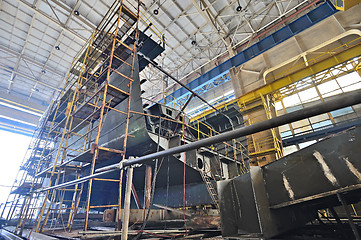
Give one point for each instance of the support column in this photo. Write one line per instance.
(237, 85)
(126, 212)
(263, 147)
(148, 186)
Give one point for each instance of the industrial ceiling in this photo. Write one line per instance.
(39, 38)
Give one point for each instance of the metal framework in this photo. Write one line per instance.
(55, 16)
(296, 73)
(283, 84)
(65, 146)
(58, 147)
(262, 146)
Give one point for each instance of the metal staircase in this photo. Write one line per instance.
(208, 177)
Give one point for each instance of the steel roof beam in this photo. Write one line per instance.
(212, 22)
(56, 43)
(47, 17)
(28, 77)
(91, 25)
(15, 54)
(247, 38)
(13, 75)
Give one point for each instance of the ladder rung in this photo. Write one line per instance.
(114, 55)
(111, 150)
(126, 10)
(125, 45)
(104, 179)
(118, 89)
(69, 190)
(59, 209)
(121, 74)
(104, 206)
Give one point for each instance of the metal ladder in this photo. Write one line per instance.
(209, 185)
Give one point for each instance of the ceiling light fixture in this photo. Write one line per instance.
(239, 8)
(57, 47)
(76, 12)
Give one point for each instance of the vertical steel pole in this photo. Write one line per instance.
(126, 213)
(148, 186)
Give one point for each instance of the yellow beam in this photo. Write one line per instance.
(343, 5)
(358, 69)
(301, 74)
(316, 67)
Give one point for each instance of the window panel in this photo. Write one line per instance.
(342, 111)
(284, 128)
(348, 79)
(352, 87)
(321, 124)
(278, 105)
(333, 93)
(290, 149)
(286, 134)
(294, 108)
(300, 123)
(303, 129)
(328, 87)
(291, 101)
(319, 118)
(308, 94)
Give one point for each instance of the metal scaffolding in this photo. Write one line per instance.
(66, 139)
(67, 147)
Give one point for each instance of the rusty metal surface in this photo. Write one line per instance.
(204, 222)
(109, 215)
(148, 185)
(200, 219)
(332, 164)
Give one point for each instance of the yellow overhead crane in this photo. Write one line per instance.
(343, 5)
(322, 62)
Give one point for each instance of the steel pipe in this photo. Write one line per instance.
(341, 101)
(344, 100)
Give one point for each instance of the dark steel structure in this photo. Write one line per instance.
(287, 193)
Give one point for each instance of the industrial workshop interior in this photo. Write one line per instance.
(188, 119)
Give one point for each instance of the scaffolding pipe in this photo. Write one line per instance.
(341, 101)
